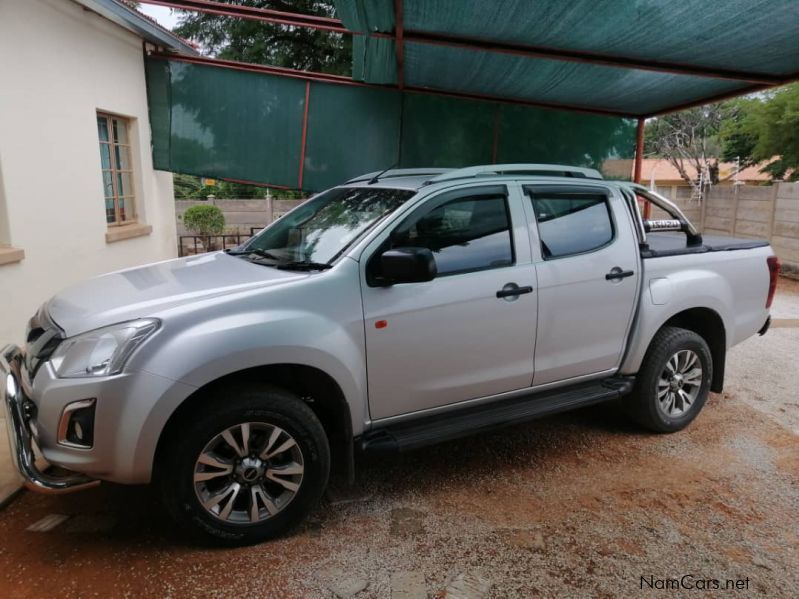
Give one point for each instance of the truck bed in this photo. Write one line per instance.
(676, 244)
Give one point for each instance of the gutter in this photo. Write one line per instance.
(135, 22)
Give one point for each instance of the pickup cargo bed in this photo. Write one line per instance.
(676, 244)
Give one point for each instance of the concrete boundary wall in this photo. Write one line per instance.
(240, 215)
(758, 212)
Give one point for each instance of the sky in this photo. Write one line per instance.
(162, 14)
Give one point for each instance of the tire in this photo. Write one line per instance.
(657, 389)
(199, 465)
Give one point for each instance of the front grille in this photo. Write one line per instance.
(41, 340)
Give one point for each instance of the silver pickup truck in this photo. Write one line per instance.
(398, 310)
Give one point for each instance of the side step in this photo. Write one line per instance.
(453, 425)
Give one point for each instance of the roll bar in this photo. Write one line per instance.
(678, 222)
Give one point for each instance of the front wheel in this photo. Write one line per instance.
(245, 469)
(673, 383)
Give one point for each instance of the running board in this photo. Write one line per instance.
(423, 431)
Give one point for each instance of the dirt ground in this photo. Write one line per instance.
(583, 504)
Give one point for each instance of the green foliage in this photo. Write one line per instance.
(186, 186)
(766, 129)
(266, 43)
(190, 187)
(204, 219)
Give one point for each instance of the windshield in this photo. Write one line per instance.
(319, 230)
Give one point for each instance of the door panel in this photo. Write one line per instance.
(584, 317)
(452, 339)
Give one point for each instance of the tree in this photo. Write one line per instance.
(185, 186)
(266, 43)
(689, 140)
(766, 129)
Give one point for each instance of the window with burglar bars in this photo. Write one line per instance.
(115, 158)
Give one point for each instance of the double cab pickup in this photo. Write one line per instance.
(398, 310)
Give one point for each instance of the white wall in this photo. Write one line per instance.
(59, 65)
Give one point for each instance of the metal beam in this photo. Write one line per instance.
(261, 68)
(304, 138)
(486, 45)
(399, 46)
(431, 91)
(742, 91)
(639, 149)
(256, 14)
(639, 159)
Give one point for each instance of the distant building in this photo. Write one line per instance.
(78, 192)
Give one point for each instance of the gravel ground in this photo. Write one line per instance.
(786, 302)
(583, 504)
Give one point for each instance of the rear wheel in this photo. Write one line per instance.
(246, 470)
(674, 381)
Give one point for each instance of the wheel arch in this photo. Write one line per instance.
(318, 389)
(708, 324)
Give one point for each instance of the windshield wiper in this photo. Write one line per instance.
(303, 265)
(256, 251)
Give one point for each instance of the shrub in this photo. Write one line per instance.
(204, 219)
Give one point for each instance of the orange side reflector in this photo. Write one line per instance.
(381, 324)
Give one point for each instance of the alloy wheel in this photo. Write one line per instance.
(679, 384)
(248, 473)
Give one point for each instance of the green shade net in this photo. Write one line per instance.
(247, 126)
(551, 81)
(757, 36)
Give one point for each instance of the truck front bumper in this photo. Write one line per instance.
(19, 410)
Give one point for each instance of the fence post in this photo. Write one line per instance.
(734, 210)
(773, 217)
(703, 202)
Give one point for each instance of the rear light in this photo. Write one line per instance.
(773, 273)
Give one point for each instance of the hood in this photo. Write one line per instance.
(146, 290)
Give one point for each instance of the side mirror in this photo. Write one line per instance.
(408, 265)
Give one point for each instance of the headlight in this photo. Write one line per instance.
(101, 352)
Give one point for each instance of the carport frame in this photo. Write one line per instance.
(758, 81)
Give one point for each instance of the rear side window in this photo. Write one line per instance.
(572, 224)
(466, 234)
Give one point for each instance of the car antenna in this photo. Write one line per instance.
(376, 178)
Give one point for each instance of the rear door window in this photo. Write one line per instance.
(570, 224)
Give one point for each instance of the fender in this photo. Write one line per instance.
(696, 288)
(200, 344)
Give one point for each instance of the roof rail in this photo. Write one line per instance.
(553, 170)
(400, 172)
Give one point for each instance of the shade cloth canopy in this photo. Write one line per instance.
(459, 82)
(632, 57)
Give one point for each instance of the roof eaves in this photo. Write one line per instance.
(138, 23)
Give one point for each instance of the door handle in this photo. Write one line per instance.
(617, 273)
(513, 290)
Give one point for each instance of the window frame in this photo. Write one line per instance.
(434, 202)
(131, 215)
(570, 193)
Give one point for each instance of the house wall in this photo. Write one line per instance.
(60, 65)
